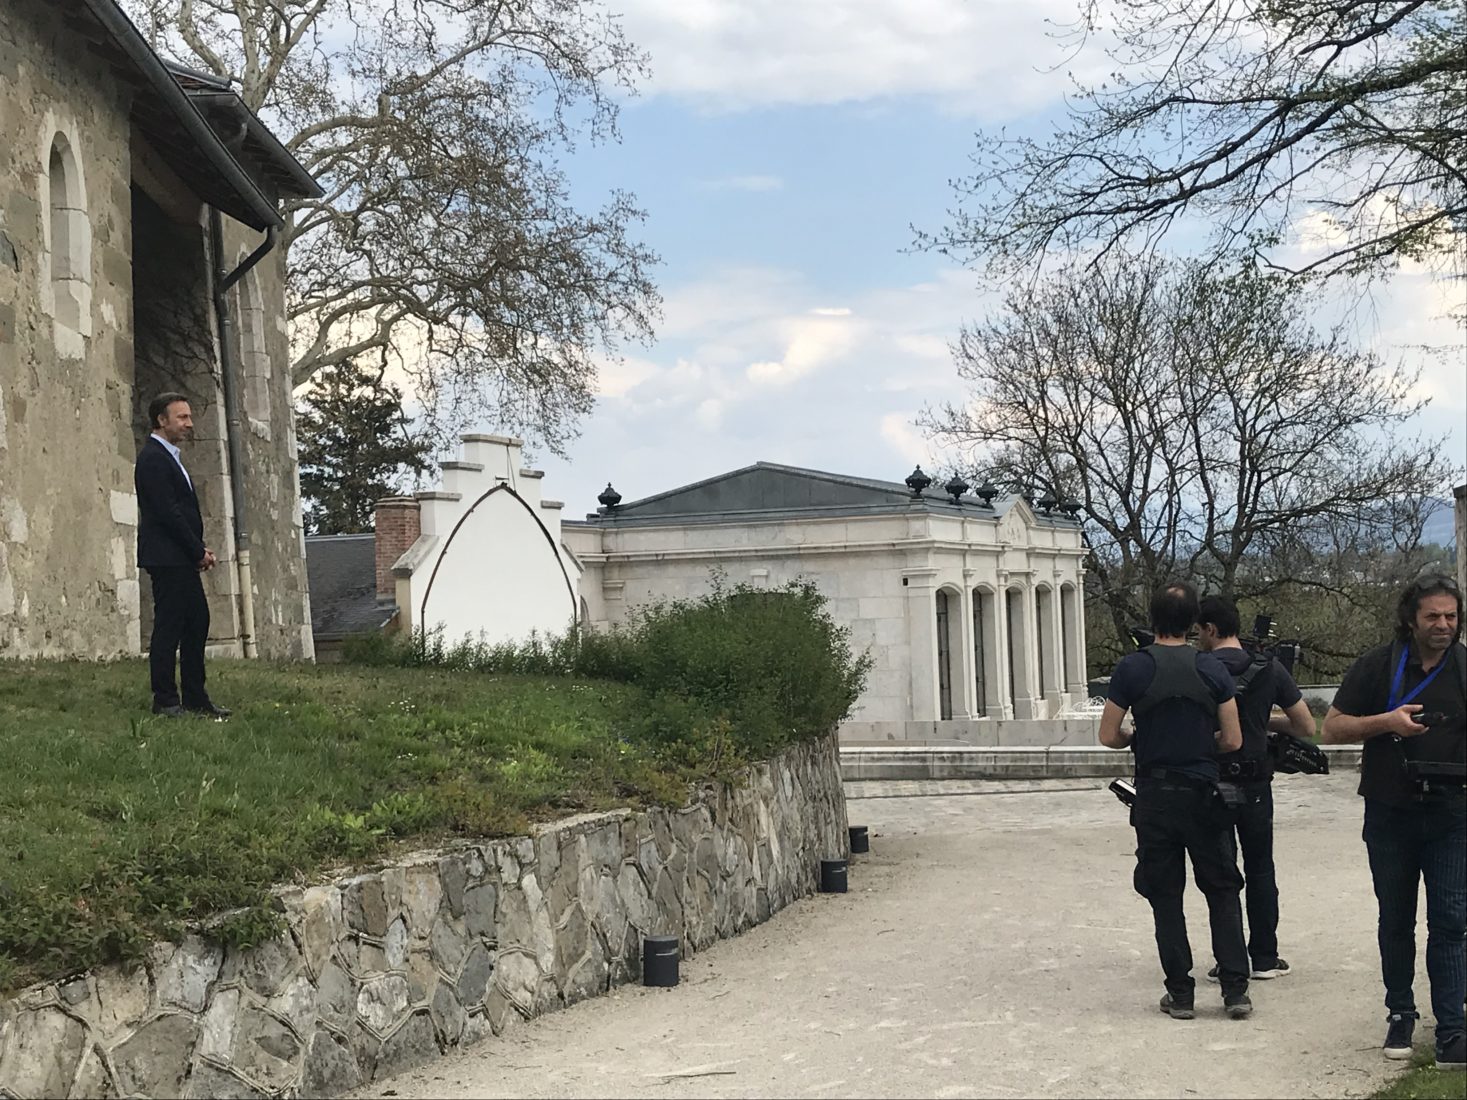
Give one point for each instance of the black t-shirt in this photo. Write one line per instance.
(1272, 686)
(1176, 733)
(1366, 691)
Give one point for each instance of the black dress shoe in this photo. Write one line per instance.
(210, 710)
(175, 711)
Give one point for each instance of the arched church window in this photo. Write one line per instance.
(68, 254)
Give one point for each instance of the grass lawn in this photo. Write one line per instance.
(1425, 1082)
(116, 827)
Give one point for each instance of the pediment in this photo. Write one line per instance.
(1016, 522)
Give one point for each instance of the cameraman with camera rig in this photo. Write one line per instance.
(1407, 702)
(1262, 683)
(1183, 705)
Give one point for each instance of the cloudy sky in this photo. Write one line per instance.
(783, 151)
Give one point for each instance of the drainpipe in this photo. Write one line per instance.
(229, 371)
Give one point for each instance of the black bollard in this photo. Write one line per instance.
(832, 876)
(659, 960)
(860, 841)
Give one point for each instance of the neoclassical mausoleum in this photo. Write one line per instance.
(970, 604)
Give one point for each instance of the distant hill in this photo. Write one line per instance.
(1441, 527)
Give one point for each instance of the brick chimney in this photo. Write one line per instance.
(398, 524)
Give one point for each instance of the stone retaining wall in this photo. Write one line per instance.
(386, 970)
(869, 762)
(982, 732)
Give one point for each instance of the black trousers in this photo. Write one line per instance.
(1253, 826)
(180, 630)
(1174, 820)
(1408, 845)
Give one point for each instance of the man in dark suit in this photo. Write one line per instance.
(171, 548)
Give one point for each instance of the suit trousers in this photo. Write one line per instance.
(180, 631)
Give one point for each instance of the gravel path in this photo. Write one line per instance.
(991, 945)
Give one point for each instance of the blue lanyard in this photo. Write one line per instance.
(1395, 699)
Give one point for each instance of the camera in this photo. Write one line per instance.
(1293, 756)
(1263, 642)
(1125, 790)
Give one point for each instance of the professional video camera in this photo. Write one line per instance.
(1263, 641)
(1295, 757)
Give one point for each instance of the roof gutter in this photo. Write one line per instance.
(151, 65)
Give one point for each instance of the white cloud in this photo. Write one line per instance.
(810, 343)
(614, 377)
(709, 413)
(905, 441)
(753, 363)
(990, 57)
(754, 183)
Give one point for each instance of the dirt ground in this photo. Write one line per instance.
(991, 945)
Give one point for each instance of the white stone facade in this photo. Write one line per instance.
(488, 564)
(969, 611)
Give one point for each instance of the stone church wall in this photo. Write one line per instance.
(68, 584)
(104, 301)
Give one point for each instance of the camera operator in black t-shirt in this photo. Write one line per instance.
(1407, 702)
(1182, 703)
(1262, 684)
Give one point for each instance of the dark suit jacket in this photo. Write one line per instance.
(170, 527)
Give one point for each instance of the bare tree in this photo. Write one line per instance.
(1204, 426)
(1248, 114)
(447, 241)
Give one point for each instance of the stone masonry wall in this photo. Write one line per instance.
(387, 970)
(68, 516)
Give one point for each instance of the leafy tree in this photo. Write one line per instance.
(354, 448)
(447, 242)
(1245, 114)
(1206, 429)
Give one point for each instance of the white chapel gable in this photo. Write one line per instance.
(496, 570)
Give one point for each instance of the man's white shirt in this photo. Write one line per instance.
(177, 457)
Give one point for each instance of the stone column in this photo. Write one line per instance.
(965, 702)
(1054, 656)
(1025, 653)
(1000, 698)
(921, 610)
(1075, 642)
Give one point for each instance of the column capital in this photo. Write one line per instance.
(919, 578)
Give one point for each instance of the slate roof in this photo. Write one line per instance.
(342, 573)
(769, 491)
(191, 143)
(227, 113)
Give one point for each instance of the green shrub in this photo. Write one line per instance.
(771, 662)
(731, 676)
